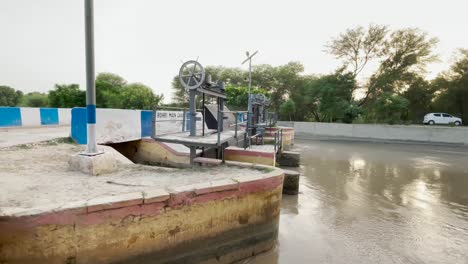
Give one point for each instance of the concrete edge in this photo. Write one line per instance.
(169, 197)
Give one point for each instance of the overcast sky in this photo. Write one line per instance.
(42, 41)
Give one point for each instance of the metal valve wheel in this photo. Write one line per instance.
(191, 75)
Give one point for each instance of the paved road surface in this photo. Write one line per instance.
(16, 136)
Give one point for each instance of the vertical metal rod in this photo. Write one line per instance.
(183, 120)
(235, 132)
(249, 101)
(193, 114)
(275, 142)
(220, 124)
(153, 123)
(90, 83)
(203, 109)
(221, 109)
(281, 142)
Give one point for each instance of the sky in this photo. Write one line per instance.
(42, 41)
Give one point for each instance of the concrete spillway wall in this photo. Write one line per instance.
(428, 134)
(34, 116)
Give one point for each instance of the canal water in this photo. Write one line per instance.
(375, 203)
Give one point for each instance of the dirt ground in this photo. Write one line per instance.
(38, 175)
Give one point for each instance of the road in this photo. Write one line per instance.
(17, 136)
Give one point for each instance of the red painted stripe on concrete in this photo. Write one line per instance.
(241, 152)
(80, 217)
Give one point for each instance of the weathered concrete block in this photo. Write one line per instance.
(155, 196)
(94, 165)
(289, 159)
(291, 182)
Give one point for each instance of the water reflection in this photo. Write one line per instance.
(376, 203)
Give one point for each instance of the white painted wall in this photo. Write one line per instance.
(117, 125)
(30, 117)
(168, 122)
(436, 134)
(64, 115)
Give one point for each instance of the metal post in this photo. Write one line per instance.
(237, 120)
(220, 122)
(221, 107)
(183, 120)
(153, 123)
(249, 106)
(90, 83)
(193, 113)
(275, 141)
(203, 109)
(249, 100)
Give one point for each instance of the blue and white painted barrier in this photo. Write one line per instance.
(34, 117)
(119, 125)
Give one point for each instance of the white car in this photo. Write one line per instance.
(441, 119)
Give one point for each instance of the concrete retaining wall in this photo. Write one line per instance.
(218, 221)
(120, 125)
(34, 117)
(429, 134)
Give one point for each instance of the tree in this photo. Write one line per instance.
(407, 52)
(356, 47)
(390, 108)
(278, 81)
(237, 96)
(67, 96)
(287, 109)
(108, 89)
(452, 96)
(9, 96)
(325, 98)
(419, 95)
(138, 96)
(35, 99)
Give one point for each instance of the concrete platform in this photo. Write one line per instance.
(209, 140)
(50, 214)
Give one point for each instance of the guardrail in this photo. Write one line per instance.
(221, 115)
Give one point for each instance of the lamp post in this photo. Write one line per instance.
(91, 148)
(249, 106)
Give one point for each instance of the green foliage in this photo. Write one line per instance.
(326, 98)
(35, 99)
(419, 94)
(356, 47)
(287, 110)
(67, 96)
(109, 87)
(138, 96)
(404, 59)
(278, 81)
(237, 96)
(390, 108)
(113, 91)
(9, 96)
(452, 86)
